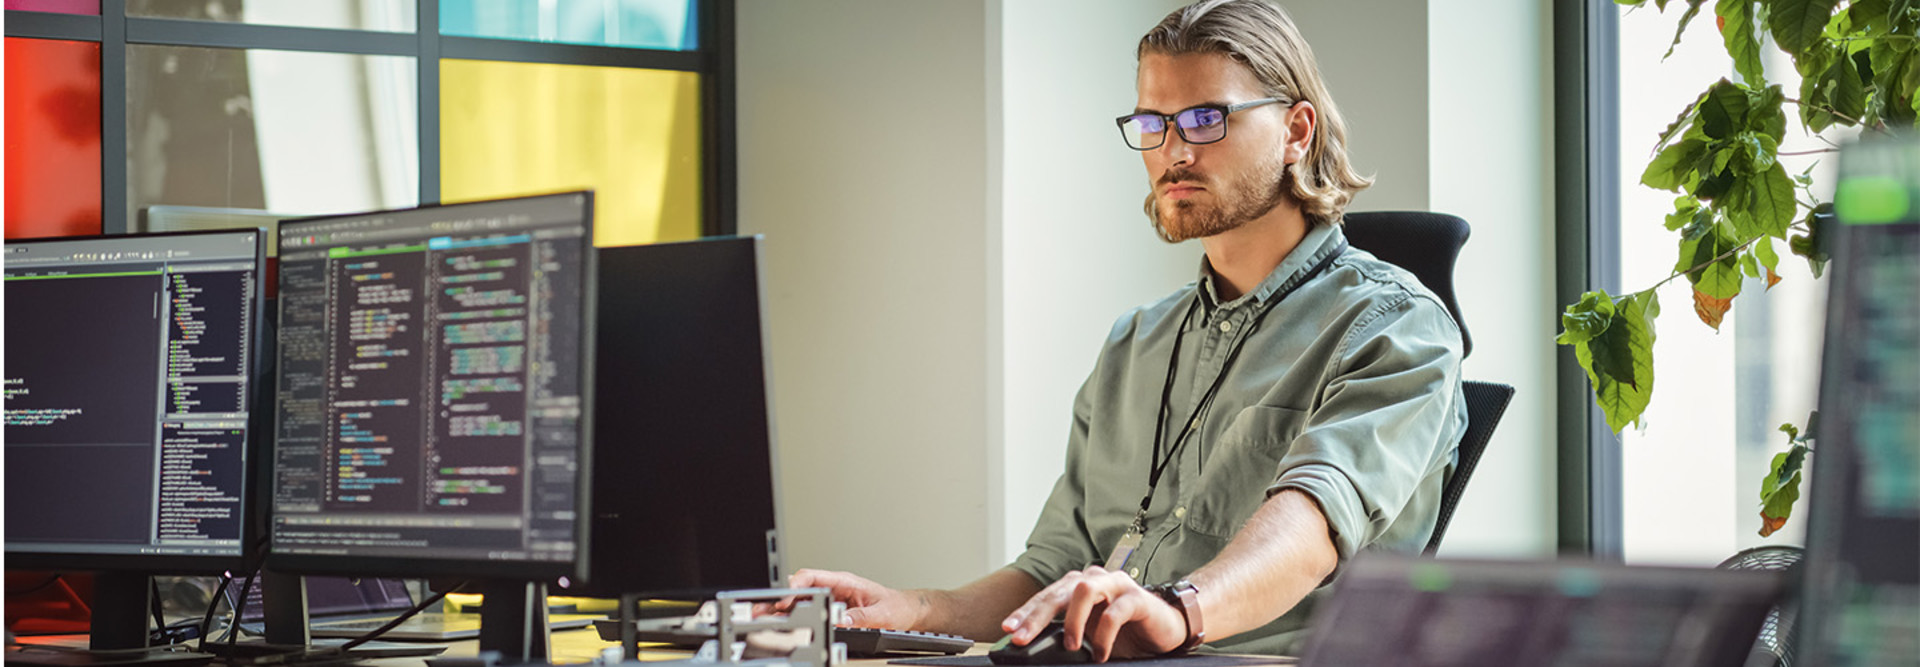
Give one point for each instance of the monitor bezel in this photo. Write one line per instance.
(250, 537)
(408, 566)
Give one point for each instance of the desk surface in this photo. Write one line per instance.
(578, 646)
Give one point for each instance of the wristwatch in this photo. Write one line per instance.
(1183, 596)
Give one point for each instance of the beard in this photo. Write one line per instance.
(1235, 202)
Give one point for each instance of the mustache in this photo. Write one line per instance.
(1178, 174)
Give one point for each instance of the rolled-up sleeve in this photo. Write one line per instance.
(1387, 421)
(1059, 542)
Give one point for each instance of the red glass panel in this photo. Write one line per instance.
(53, 138)
(58, 6)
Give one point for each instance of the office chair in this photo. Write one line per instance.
(1427, 245)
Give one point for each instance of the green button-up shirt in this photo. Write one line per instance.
(1348, 390)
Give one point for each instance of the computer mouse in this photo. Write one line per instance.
(1049, 647)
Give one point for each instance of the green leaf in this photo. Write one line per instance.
(1847, 96)
(1685, 119)
(1723, 110)
(1718, 278)
(1781, 488)
(1764, 204)
(1685, 210)
(1741, 40)
(1812, 65)
(1811, 245)
(1784, 467)
(1585, 320)
(1763, 253)
(1749, 266)
(1796, 23)
(1620, 360)
(1693, 9)
(1765, 113)
(1703, 224)
(1673, 167)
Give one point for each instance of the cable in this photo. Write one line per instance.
(206, 622)
(153, 603)
(54, 579)
(362, 639)
(233, 631)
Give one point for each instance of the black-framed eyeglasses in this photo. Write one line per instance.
(1203, 124)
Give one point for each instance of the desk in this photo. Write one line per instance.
(577, 646)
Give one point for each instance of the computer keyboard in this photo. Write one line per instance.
(861, 642)
(866, 642)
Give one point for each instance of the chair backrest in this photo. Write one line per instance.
(1425, 244)
(1486, 402)
(1428, 245)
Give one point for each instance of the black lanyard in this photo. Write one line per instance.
(1173, 365)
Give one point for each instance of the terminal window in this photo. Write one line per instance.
(430, 386)
(127, 374)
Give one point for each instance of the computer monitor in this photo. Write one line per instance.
(130, 370)
(435, 396)
(684, 496)
(1862, 603)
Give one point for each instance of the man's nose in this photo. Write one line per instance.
(1176, 149)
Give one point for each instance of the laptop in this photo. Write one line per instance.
(339, 607)
(1392, 610)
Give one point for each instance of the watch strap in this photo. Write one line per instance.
(1182, 595)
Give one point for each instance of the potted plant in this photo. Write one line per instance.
(1736, 205)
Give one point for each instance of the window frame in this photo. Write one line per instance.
(1587, 253)
(713, 60)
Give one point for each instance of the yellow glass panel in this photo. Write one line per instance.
(630, 135)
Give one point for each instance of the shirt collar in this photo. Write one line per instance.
(1320, 240)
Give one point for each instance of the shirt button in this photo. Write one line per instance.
(1135, 573)
(1226, 326)
(1179, 512)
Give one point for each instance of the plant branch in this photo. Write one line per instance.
(1734, 251)
(1841, 116)
(1811, 152)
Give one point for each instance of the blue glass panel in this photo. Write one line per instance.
(649, 24)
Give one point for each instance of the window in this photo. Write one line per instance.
(291, 108)
(1686, 489)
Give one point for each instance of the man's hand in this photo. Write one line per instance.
(869, 605)
(1107, 611)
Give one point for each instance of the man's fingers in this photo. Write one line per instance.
(856, 618)
(1026, 621)
(1107, 626)
(1086, 594)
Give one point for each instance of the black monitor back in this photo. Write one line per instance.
(683, 479)
(1862, 603)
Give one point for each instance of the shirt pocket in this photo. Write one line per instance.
(1243, 463)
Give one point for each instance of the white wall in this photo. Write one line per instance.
(862, 134)
(943, 269)
(1490, 139)
(1075, 248)
(1372, 54)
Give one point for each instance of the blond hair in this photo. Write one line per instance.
(1262, 37)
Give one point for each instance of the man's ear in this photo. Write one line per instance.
(1301, 119)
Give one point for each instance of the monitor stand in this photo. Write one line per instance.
(513, 621)
(122, 607)
(285, 598)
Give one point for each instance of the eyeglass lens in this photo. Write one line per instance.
(1200, 125)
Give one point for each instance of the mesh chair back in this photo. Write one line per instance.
(1425, 244)
(1486, 402)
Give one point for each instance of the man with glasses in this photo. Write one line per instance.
(1242, 437)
